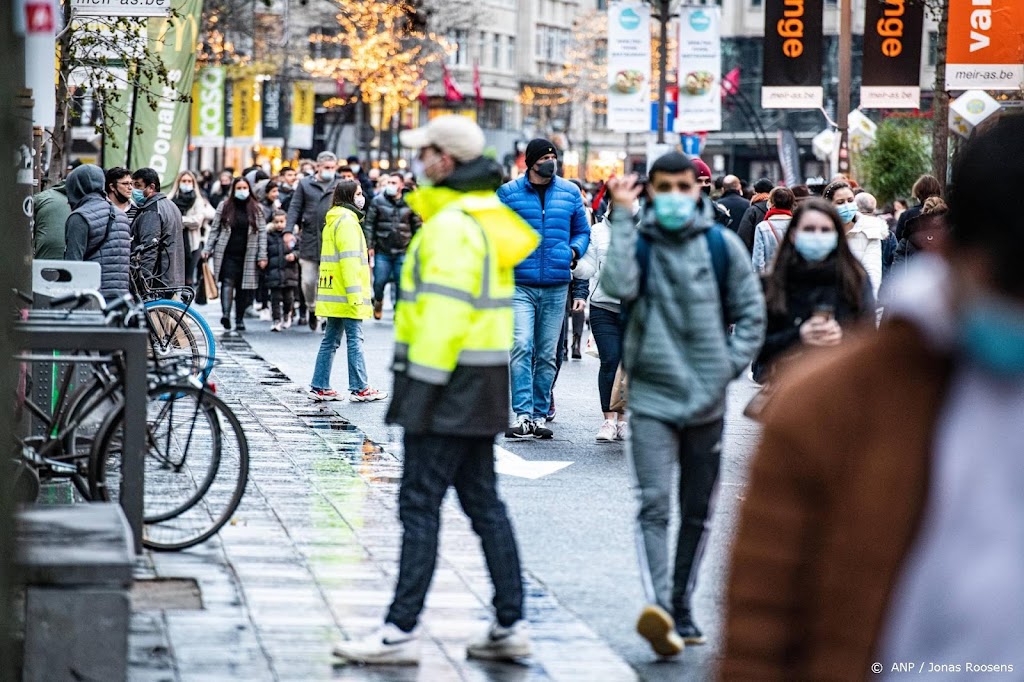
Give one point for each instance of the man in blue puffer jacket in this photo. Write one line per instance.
(552, 206)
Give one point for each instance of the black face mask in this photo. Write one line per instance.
(545, 169)
(705, 190)
(122, 199)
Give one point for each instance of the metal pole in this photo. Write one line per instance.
(131, 124)
(843, 105)
(663, 17)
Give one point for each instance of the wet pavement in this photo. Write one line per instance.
(311, 557)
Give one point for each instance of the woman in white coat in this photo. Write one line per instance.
(196, 216)
(864, 232)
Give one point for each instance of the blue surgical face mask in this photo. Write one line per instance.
(138, 196)
(992, 334)
(241, 194)
(847, 212)
(674, 210)
(815, 246)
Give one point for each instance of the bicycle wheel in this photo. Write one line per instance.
(177, 330)
(196, 465)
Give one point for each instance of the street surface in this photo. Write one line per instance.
(575, 527)
(313, 551)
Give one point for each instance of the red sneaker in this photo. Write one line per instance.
(323, 395)
(367, 395)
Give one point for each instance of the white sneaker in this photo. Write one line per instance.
(287, 323)
(541, 430)
(607, 433)
(387, 645)
(265, 314)
(276, 327)
(502, 644)
(621, 430)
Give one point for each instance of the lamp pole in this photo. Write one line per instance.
(663, 19)
(845, 77)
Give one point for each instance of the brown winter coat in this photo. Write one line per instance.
(837, 491)
(255, 247)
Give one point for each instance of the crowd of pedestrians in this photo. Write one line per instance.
(685, 283)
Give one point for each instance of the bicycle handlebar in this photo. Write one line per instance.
(80, 298)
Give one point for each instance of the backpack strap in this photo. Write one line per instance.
(106, 235)
(720, 264)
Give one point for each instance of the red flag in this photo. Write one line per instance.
(731, 83)
(451, 88)
(477, 90)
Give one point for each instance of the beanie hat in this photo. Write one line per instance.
(702, 168)
(536, 149)
(763, 186)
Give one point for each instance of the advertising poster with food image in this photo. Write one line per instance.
(700, 70)
(629, 67)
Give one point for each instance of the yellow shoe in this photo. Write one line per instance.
(657, 627)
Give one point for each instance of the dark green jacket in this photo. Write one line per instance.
(51, 212)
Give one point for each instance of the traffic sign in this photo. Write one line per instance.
(122, 8)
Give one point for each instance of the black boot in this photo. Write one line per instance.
(227, 293)
(687, 629)
(576, 354)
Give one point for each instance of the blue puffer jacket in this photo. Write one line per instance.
(562, 225)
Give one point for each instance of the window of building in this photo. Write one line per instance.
(496, 50)
(478, 48)
(755, 3)
(511, 63)
(539, 41)
(933, 48)
(602, 4)
(459, 40)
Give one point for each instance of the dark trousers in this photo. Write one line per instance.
(604, 325)
(282, 302)
(432, 464)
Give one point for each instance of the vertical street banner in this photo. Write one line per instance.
(699, 107)
(892, 55)
(161, 143)
(272, 113)
(793, 41)
(789, 156)
(244, 111)
(208, 108)
(303, 113)
(986, 45)
(629, 67)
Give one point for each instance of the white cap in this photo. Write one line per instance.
(455, 135)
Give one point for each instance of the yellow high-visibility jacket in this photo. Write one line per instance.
(344, 287)
(454, 321)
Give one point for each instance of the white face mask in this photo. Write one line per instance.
(186, 188)
(360, 201)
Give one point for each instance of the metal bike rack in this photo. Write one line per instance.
(46, 332)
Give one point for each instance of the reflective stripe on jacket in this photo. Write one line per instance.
(344, 287)
(457, 287)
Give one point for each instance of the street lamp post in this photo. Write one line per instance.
(663, 19)
(845, 76)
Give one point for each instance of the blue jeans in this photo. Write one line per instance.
(387, 268)
(539, 312)
(353, 330)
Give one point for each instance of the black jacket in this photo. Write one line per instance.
(390, 225)
(307, 212)
(734, 202)
(751, 219)
(808, 288)
(280, 272)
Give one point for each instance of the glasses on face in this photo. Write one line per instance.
(124, 183)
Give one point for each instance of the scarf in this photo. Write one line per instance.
(184, 203)
(777, 211)
(763, 196)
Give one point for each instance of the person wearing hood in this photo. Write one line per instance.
(453, 332)
(686, 281)
(158, 218)
(310, 202)
(97, 232)
(868, 539)
(554, 208)
(50, 213)
(196, 215)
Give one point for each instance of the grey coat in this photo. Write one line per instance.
(159, 218)
(307, 212)
(255, 247)
(679, 357)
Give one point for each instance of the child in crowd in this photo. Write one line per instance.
(282, 271)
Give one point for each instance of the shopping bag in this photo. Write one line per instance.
(591, 348)
(620, 392)
(209, 283)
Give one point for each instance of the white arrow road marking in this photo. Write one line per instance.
(511, 464)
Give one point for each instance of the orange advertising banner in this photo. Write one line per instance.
(986, 45)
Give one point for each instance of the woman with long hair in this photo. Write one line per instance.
(343, 297)
(196, 215)
(238, 244)
(816, 290)
(864, 233)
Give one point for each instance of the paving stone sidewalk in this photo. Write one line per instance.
(311, 557)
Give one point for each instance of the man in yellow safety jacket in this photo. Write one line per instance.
(453, 332)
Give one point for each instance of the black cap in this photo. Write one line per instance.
(352, 159)
(763, 186)
(536, 149)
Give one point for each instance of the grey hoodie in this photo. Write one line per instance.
(96, 231)
(679, 357)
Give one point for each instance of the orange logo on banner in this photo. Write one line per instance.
(986, 32)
